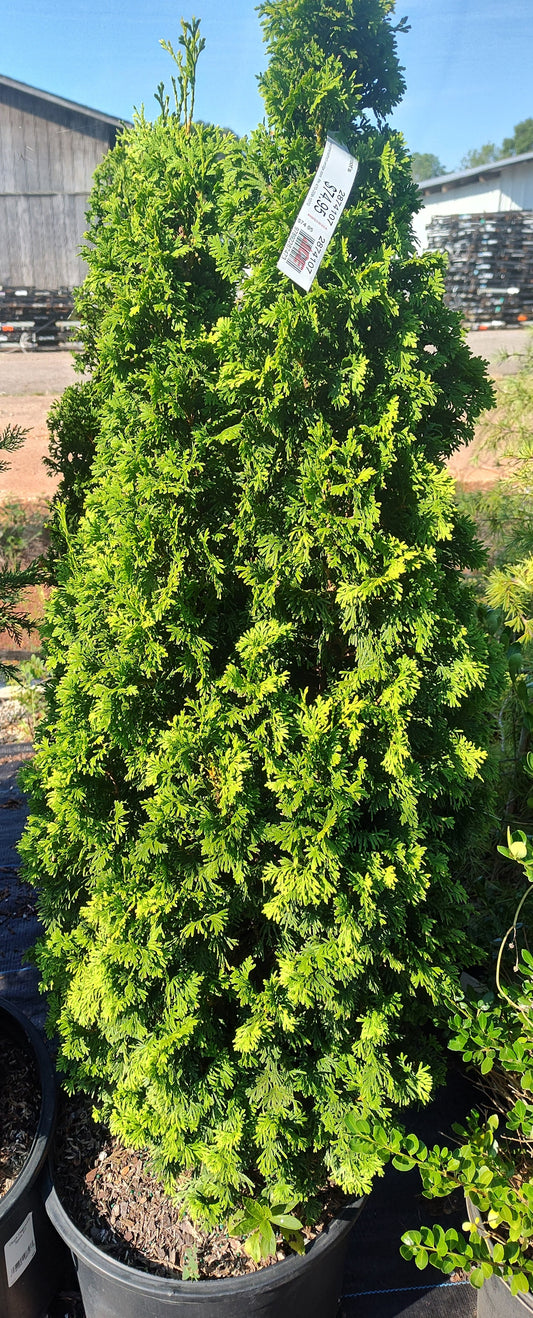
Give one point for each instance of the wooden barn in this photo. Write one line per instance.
(49, 148)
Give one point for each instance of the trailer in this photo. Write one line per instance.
(33, 318)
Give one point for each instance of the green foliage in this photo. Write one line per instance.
(260, 1221)
(189, 1264)
(510, 513)
(521, 140)
(267, 731)
(72, 426)
(483, 155)
(491, 1160)
(14, 578)
(497, 1237)
(31, 675)
(184, 88)
(330, 65)
(13, 523)
(424, 164)
(504, 516)
(518, 144)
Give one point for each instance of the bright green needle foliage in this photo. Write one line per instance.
(269, 692)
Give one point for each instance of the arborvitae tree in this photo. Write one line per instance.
(268, 705)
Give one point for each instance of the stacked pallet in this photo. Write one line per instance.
(35, 317)
(490, 266)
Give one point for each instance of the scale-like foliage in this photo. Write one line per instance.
(268, 709)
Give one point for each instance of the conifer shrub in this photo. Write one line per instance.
(72, 428)
(269, 706)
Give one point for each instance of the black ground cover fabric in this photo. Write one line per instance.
(378, 1283)
(19, 926)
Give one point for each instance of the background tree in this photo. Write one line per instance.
(483, 155)
(521, 140)
(268, 726)
(425, 165)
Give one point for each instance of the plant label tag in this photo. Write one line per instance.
(20, 1250)
(319, 216)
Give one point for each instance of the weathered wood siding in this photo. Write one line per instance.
(39, 240)
(48, 153)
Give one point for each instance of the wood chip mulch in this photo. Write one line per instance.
(20, 1106)
(113, 1197)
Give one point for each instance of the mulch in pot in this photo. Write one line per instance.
(20, 1106)
(113, 1197)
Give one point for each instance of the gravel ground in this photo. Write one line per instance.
(36, 372)
(495, 344)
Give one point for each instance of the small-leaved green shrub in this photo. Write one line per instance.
(270, 689)
(14, 577)
(260, 1221)
(491, 1157)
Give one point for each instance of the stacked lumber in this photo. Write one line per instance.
(35, 317)
(490, 266)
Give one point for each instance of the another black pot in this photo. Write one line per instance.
(495, 1301)
(306, 1286)
(32, 1257)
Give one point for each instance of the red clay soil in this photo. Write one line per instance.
(26, 479)
(475, 467)
(29, 384)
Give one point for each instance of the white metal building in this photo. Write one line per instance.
(504, 185)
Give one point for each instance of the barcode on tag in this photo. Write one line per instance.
(319, 215)
(19, 1250)
(300, 250)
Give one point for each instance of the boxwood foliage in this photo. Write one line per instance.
(268, 722)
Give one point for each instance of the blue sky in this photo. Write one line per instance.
(468, 63)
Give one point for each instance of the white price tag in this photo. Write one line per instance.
(319, 216)
(20, 1250)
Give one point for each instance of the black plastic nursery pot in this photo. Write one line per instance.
(494, 1299)
(306, 1286)
(33, 1259)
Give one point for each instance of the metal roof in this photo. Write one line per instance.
(60, 101)
(465, 176)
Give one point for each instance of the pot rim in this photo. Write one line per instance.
(41, 1141)
(165, 1287)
